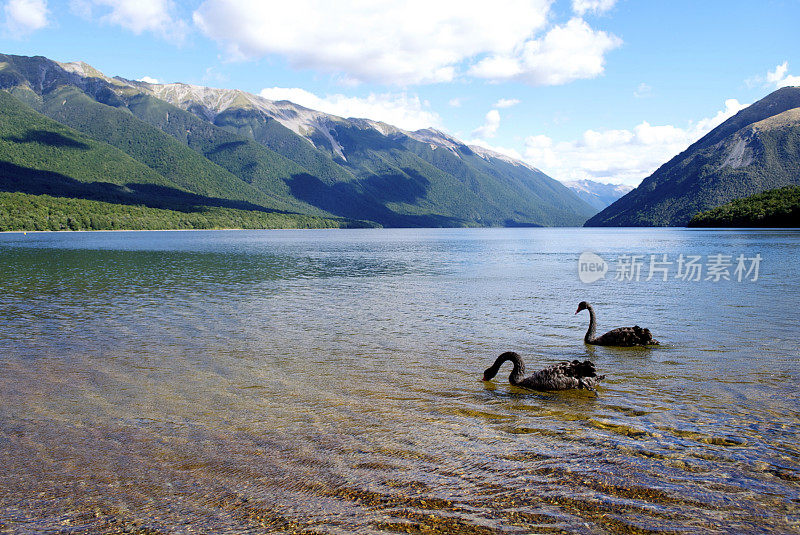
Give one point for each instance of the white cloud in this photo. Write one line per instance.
(703, 126)
(566, 53)
(619, 156)
(455, 102)
(506, 103)
(148, 80)
(409, 42)
(489, 128)
(643, 91)
(781, 78)
(138, 16)
(398, 109)
(25, 16)
(775, 79)
(581, 7)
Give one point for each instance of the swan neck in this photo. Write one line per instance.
(590, 331)
(517, 373)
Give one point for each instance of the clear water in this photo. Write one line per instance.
(329, 382)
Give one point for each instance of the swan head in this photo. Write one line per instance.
(489, 374)
(583, 305)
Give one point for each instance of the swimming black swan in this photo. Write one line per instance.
(624, 336)
(561, 376)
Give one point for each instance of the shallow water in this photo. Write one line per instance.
(329, 382)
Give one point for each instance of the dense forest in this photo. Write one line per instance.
(22, 211)
(774, 208)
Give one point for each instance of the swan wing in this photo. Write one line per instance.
(563, 376)
(627, 336)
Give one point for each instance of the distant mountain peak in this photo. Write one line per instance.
(598, 194)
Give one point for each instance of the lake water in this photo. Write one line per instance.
(329, 382)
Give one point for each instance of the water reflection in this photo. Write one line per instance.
(319, 382)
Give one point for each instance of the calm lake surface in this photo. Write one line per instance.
(329, 382)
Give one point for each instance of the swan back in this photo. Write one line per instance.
(561, 376)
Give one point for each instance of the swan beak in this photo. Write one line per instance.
(577, 311)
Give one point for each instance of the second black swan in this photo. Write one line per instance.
(561, 376)
(623, 336)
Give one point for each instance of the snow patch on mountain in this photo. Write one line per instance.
(598, 194)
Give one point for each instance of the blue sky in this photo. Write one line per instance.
(600, 89)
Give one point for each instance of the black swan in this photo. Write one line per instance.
(624, 336)
(561, 376)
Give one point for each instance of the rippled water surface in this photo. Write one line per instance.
(329, 382)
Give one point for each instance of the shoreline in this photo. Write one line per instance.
(25, 232)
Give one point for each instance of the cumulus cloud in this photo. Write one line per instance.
(455, 102)
(566, 53)
(398, 109)
(148, 79)
(138, 16)
(781, 78)
(619, 156)
(25, 16)
(774, 79)
(409, 42)
(489, 128)
(581, 7)
(506, 103)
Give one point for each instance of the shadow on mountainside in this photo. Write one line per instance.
(366, 199)
(46, 137)
(14, 178)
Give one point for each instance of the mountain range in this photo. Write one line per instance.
(756, 150)
(71, 131)
(597, 194)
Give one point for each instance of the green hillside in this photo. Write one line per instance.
(756, 150)
(39, 155)
(774, 208)
(266, 131)
(258, 166)
(537, 198)
(55, 178)
(399, 181)
(182, 154)
(148, 145)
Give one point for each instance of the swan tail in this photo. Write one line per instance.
(580, 369)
